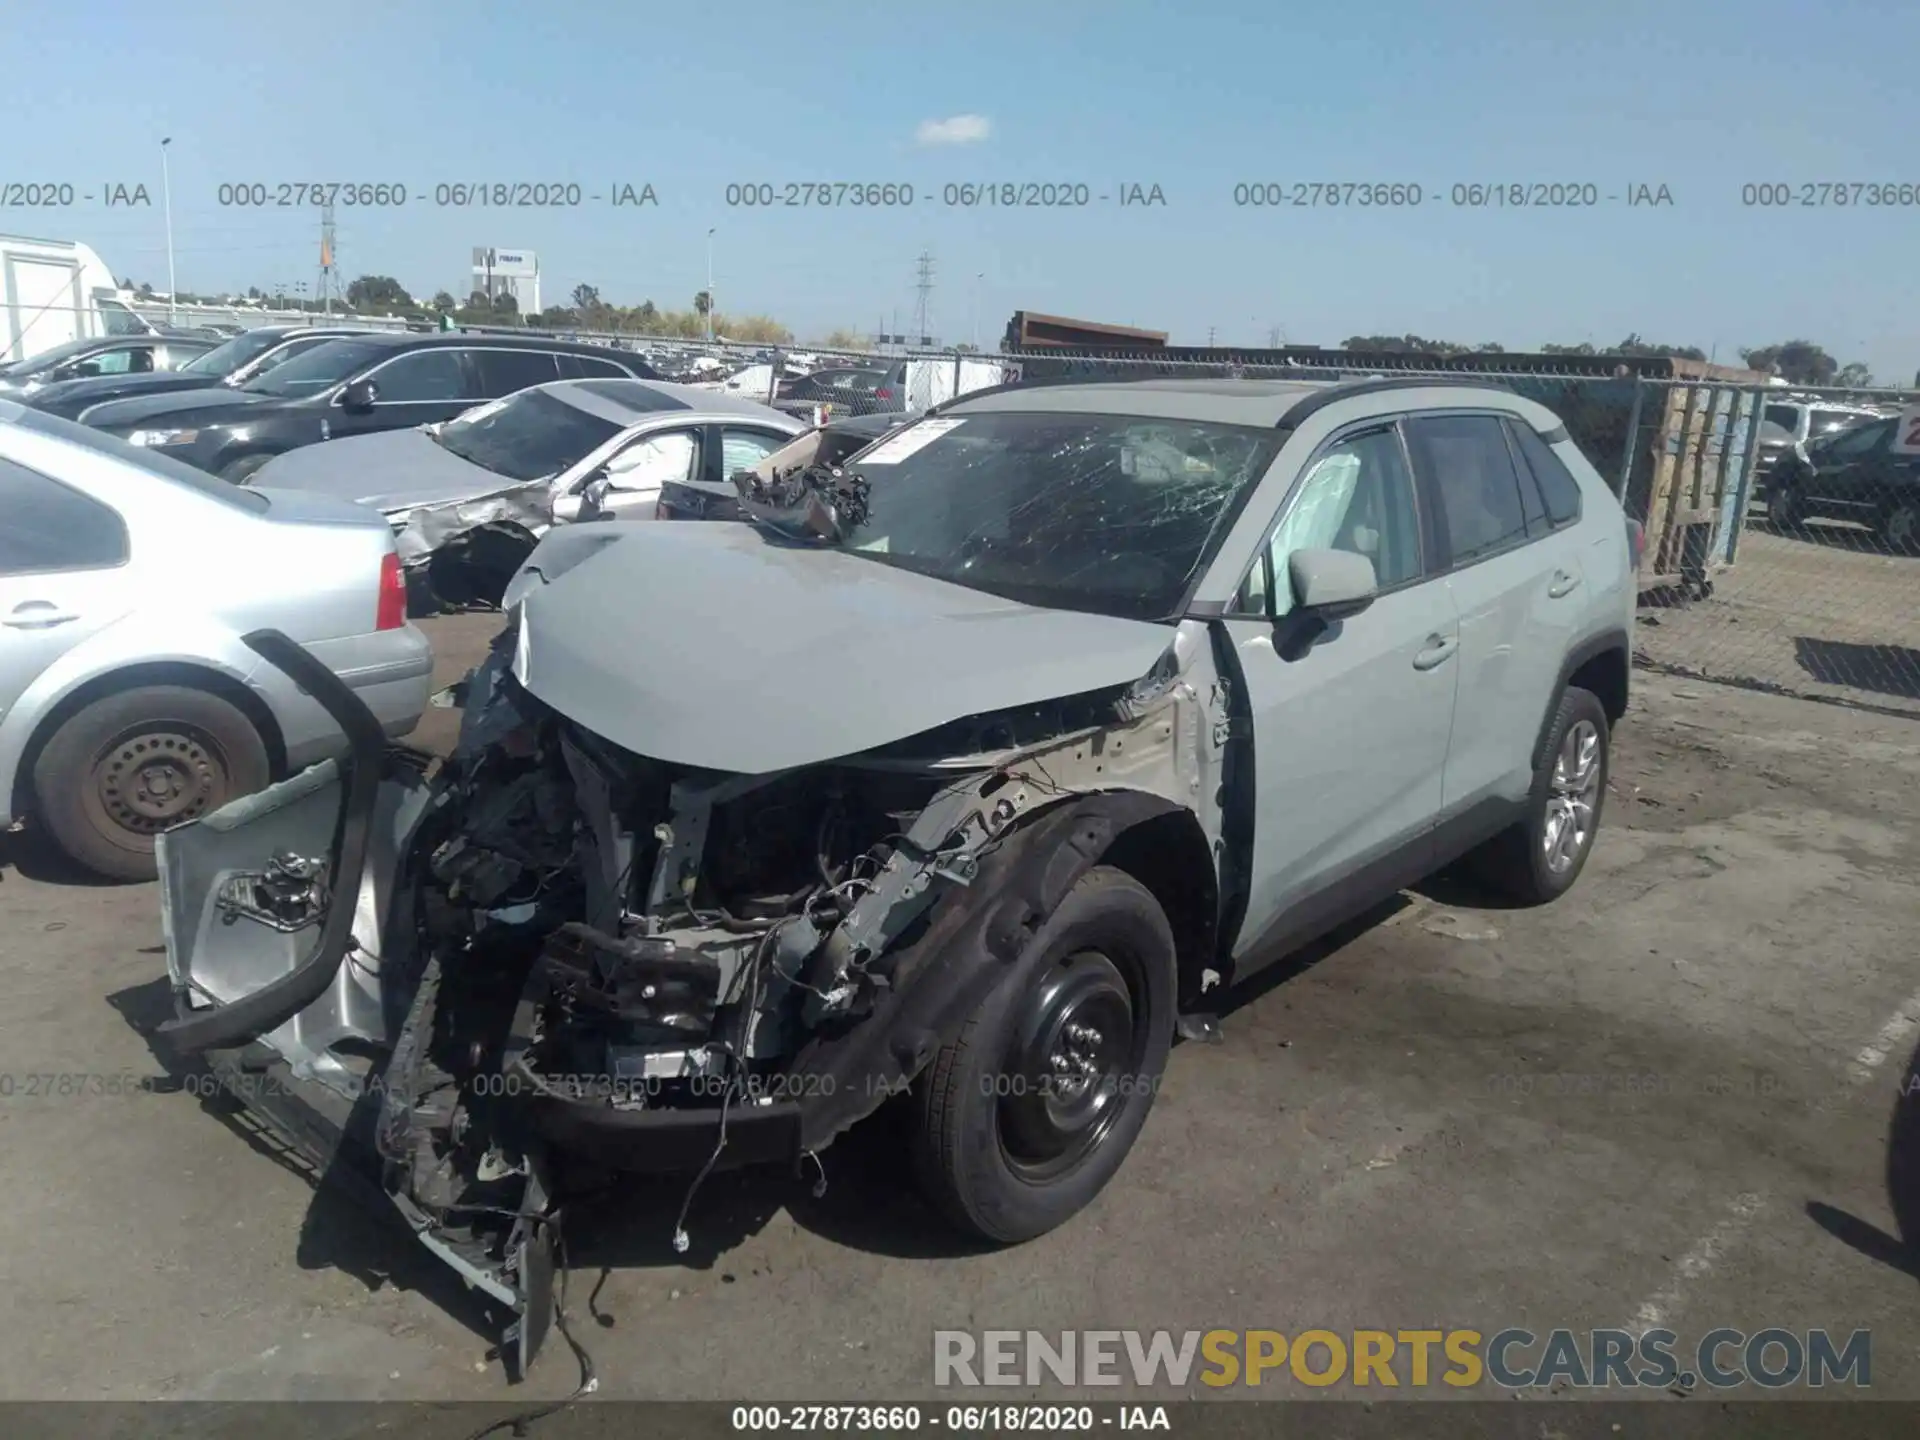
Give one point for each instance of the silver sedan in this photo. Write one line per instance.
(130, 698)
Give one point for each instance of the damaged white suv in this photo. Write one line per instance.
(963, 770)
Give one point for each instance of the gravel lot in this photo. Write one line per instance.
(1425, 1122)
(1828, 612)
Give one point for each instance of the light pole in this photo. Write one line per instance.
(166, 193)
(710, 286)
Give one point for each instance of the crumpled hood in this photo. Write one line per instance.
(707, 644)
(391, 470)
(213, 405)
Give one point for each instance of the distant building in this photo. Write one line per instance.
(498, 272)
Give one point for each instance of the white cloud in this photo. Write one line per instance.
(954, 130)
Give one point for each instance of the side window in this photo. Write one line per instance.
(50, 527)
(744, 449)
(1466, 459)
(109, 362)
(589, 367)
(274, 358)
(670, 457)
(502, 372)
(140, 361)
(1863, 439)
(423, 375)
(1787, 417)
(1358, 497)
(1557, 486)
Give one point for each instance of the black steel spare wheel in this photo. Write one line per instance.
(1076, 1044)
(1028, 1112)
(128, 766)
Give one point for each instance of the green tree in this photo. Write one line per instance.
(378, 292)
(1799, 362)
(1855, 374)
(444, 302)
(702, 304)
(585, 297)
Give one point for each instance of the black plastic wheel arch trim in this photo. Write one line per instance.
(272, 1005)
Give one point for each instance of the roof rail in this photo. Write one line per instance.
(1339, 390)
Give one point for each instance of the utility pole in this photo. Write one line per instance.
(710, 286)
(166, 191)
(923, 326)
(1209, 337)
(325, 285)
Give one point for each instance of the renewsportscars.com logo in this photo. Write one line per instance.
(1513, 1359)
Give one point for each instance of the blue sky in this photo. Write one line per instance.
(1701, 97)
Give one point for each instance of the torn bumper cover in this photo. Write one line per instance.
(556, 950)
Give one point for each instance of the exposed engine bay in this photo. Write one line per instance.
(557, 950)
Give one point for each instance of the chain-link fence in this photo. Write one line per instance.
(1782, 526)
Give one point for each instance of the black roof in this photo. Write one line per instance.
(404, 340)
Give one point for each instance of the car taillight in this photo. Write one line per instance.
(392, 613)
(1636, 542)
(883, 393)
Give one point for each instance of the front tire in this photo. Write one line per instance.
(120, 770)
(1900, 528)
(1029, 1111)
(1786, 512)
(1538, 860)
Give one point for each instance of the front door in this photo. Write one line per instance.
(1350, 721)
(416, 388)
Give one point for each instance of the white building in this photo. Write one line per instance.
(507, 272)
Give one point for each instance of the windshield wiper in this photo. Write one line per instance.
(808, 502)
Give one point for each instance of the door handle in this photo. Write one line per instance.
(37, 615)
(1563, 585)
(1438, 651)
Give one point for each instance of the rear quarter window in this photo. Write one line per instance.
(1558, 488)
(52, 527)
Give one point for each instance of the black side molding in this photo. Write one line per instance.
(271, 1006)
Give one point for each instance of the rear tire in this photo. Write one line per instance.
(1538, 860)
(1029, 1111)
(241, 471)
(120, 770)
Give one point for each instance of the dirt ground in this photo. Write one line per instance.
(1828, 612)
(1675, 1094)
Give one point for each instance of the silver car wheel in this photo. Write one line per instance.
(1572, 797)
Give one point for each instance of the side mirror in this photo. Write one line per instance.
(360, 395)
(1331, 584)
(568, 509)
(594, 497)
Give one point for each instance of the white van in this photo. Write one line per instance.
(53, 291)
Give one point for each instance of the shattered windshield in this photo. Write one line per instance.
(527, 436)
(1109, 513)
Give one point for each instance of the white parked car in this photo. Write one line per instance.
(131, 698)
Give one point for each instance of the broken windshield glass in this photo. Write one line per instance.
(1112, 514)
(527, 436)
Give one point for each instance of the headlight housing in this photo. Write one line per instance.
(163, 437)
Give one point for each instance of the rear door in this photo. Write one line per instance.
(63, 559)
(1518, 589)
(503, 372)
